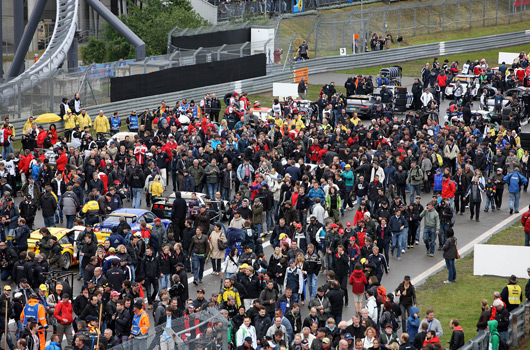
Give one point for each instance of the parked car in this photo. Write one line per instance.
(468, 81)
(162, 206)
(66, 238)
(360, 104)
(133, 218)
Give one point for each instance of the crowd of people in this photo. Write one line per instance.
(285, 178)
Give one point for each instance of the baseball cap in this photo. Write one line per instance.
(58, 286)
(201, 291)
(367, 214)
(348, 223)
(406, 278)
(325, 341)
(348, 336)
(298, 225)
(7, 287)
(334, 225)
(291, 261)
(243, 266)
(112, 250)
(158, 220)
(114, 293)
(499, 169)
(23, 280)
(341, 230)
(248, 339)
(305, 342)
(43, 287)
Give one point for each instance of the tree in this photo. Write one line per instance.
(151, 22)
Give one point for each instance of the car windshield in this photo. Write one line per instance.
(116, 219)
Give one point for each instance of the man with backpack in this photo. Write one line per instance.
(515, 181)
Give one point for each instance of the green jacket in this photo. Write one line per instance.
(415, 176)
(197, 173)
(328, 202)
(212, 177)
(432, 219)
(495, 338)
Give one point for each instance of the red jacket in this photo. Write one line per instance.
(64, 310)
(525, 222)
(434, 340)
(358, 281)
(448, 188)
(442, 80)
(61, 162)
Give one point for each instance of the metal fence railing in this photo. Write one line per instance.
(207, 329)
(519, 329)
(47, 98)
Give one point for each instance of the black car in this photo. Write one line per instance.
(360, 104)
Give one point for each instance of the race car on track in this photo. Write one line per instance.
(133, 217)
(66, 238)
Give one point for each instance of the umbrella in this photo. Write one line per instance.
(48, 118)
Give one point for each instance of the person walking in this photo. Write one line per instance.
(407, 300)
(415, 179)
(474, 196)
(199, 250)
(217, 240)
(431, 227)
(515, 181)
(450, 254)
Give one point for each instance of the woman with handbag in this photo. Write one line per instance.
(450, 255)
(218, 244)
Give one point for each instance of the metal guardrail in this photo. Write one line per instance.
(317, 65)
(516, 330)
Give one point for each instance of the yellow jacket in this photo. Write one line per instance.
(101, 124)
(83, 121)
(91, 207)
(229, 292)
(26, 127)
(156, 189)
(69, 121)
(299, 123)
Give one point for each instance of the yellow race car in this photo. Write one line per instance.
(66, 238)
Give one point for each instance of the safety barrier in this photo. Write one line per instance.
(519, 327)
(284, 73)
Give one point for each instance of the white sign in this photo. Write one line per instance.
(507, 57)
(501, 260)
(342, 51)
(284, 90)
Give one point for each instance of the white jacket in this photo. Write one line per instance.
(371, 305)
(230, 265)
(426, 98)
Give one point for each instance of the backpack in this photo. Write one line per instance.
(381, 295)
(128, 238)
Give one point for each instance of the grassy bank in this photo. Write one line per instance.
(413, 68)
(462, 299)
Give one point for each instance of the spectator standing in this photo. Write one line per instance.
(450, 254)
(515, 181)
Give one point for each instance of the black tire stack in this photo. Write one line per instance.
(400, 99)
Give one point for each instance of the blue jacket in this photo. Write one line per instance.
(133, 122)
(314, 194)
(514, 181)
(115, 123)
(188, 184)
(413, 323)
(53, 346)
(438, 178)
(395, 223)
(115, 240)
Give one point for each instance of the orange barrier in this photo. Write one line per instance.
(301, 73)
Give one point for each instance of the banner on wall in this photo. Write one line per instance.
(298, 6)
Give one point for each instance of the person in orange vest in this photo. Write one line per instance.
(37, 312)
(140, 327)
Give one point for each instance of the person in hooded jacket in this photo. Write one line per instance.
(457, 338)
(495, 338)
(413, 322)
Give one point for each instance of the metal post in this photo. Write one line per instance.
(316, 39)
(526, 320)
(484, 14)
(224, 45)
(514, 337)
(115, 22)
(521, 12)
(496, 11)
(470, 13)
(509, 11)
(429, 21)
(414, 26)
(384, 24)
(18, 22)
(17, 67)
(457, 10)
(443, 16)
(362, 28)
(399, 24)
(195, 54)
(242, 48)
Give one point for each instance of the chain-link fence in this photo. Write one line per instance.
(205, 330)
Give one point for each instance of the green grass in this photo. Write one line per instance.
(331, 36)
(413, 68)
(462, 299)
